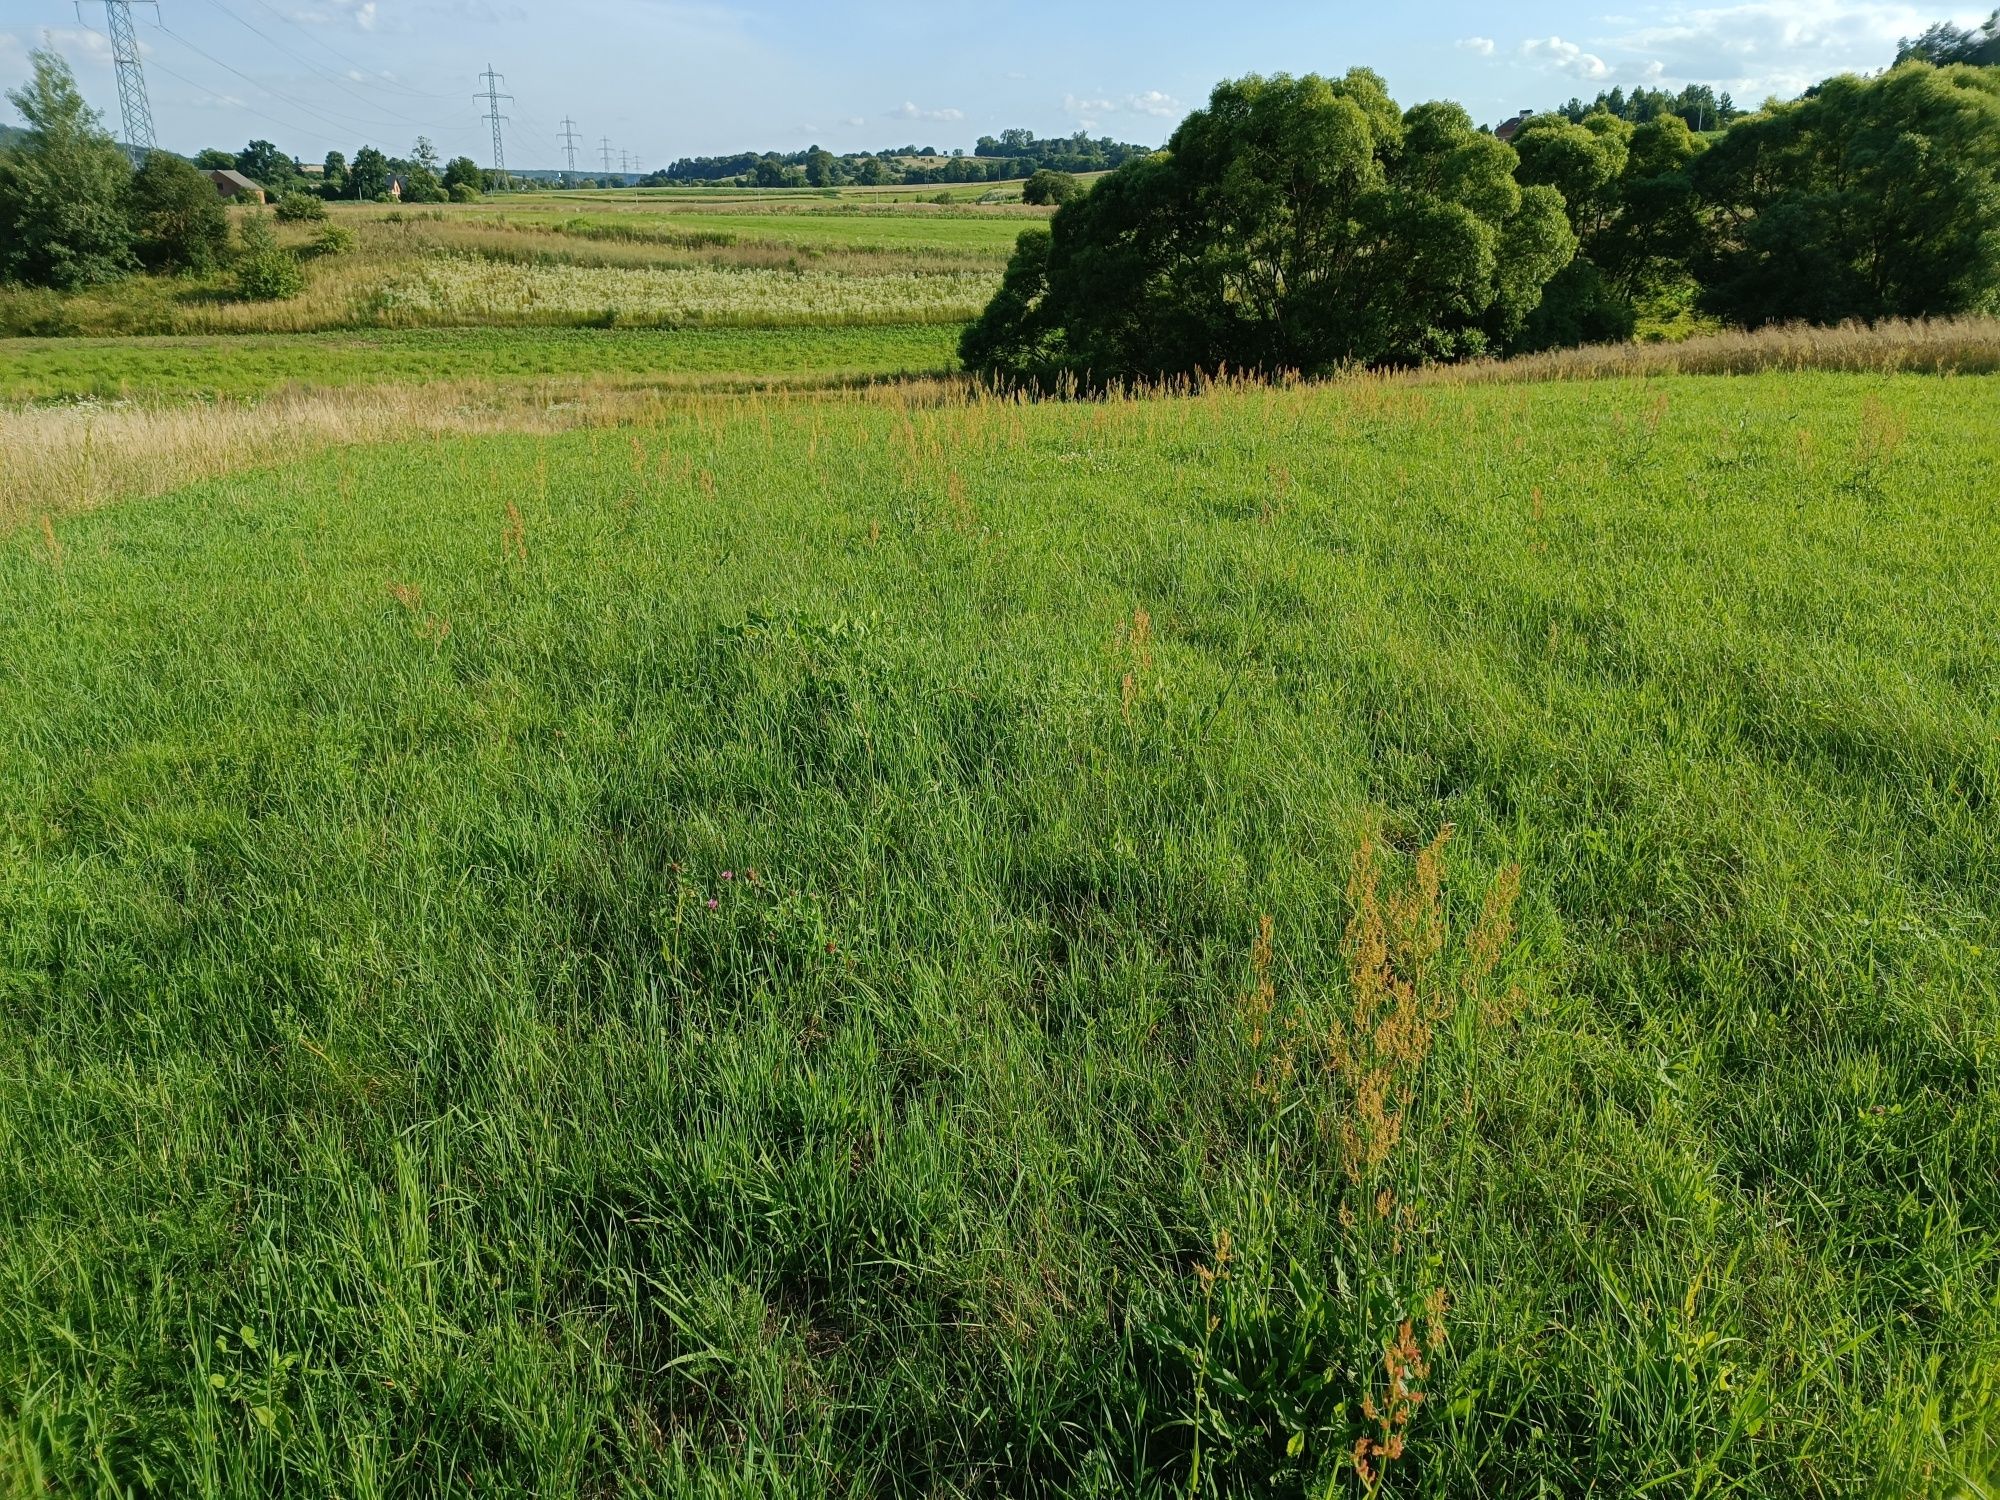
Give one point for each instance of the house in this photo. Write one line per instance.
(396, 186)
(1512, 128)
(234, 185)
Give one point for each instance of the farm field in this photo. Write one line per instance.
(252, 365)
(726, 952)
(585, 260)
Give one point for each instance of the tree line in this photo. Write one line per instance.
(371, 177)
(1012, 156)
(76, 212)
(1698, 106)
(1309, 224)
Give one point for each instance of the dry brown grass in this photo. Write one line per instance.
(1946, 346)
(62, 459)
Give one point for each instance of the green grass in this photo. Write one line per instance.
(817, 223)
(256, 364)
(398, 1095)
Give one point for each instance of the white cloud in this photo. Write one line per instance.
(855, 122)
(80, 44)
(909, 111)
(1779, 46)
(1160, 106)
(361, 14)
(1483, 45)
(1075, 106)
(1566, 57)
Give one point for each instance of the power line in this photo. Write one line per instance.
(605, 146)
(387, 85)
(281, 121)
(248, 109)
(340, 123)
(321, 73)
(493, 81)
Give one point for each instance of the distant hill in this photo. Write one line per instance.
(9, 134)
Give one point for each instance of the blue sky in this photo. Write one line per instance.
(667, 78)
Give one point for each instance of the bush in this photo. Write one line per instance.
(178, 222)
(1048, 187)
(464, 192)
(334, 239)
(300, 208)
(265, 270)
(36, 313)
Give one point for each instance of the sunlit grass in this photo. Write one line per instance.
(245, 365)
(726, 954)
(482, 291)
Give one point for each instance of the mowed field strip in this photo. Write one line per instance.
(249, 365)
(725, 952)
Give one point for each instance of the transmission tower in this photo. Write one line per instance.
(569, 143)
(493, 96)
(134, 108)
(625, 162)
(605, 146)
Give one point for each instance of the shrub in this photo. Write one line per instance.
(464, 192)
(300, 208)
(265, 270)
(334, 239)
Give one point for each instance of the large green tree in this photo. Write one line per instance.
(1945, 44)
(177, 217)
(1295, 223)
(1873, 197)
(368, 178)
(64, 218)
(267, 166)
(463, 171)
(1629, 193)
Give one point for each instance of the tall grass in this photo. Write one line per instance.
(728, 955)
(1942, 346)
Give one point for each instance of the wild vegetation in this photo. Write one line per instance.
(1376, 938)
(1307, 224)
(703, 910)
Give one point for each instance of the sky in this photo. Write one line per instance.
(661, 79)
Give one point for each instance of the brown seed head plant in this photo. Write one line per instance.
(1135, 643)
(1357, 1072)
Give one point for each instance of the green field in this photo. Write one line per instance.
(722, 956)
(986, 231)
(255, 364)
(583, 261)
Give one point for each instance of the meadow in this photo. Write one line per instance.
(585, 260)
(249, 365)
(897, 942)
